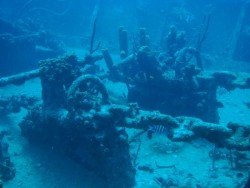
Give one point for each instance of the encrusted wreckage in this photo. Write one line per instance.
(173, 81)
(77, 117)
(14, 104)
(7, 169)
(22, 39)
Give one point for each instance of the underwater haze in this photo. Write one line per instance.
(125, 94)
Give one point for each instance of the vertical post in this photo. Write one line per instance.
(143, 37)
(237, 30)
(123, 42)
(108, 59)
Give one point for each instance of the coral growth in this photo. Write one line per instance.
(14, 104)
(7, 170)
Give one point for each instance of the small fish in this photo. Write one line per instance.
(158, 129)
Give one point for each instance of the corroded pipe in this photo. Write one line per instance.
(19, 79)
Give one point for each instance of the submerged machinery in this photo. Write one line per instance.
(78, 118)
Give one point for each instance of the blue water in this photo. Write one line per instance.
(182, 58)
